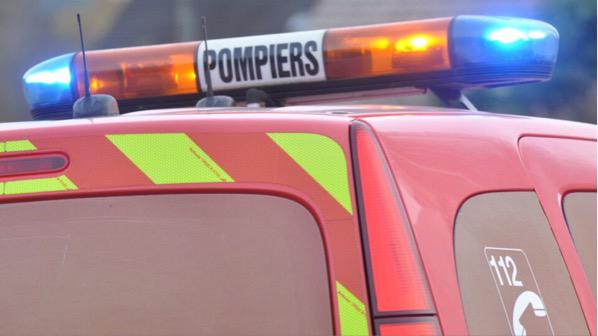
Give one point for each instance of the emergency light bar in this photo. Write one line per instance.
(460, 52)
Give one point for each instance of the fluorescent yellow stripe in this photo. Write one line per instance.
(322, 158)
(59, 183)
(169, 158)
(353, 317)
(16, 146)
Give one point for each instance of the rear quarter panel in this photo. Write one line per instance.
(242, 146)
(439, 161)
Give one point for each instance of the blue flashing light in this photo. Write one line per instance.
(536, 35)
(485, 41)
(58, 76)
(49, 83)
(507, 35)
(484, 51)
(513, 35)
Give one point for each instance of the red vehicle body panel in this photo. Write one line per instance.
(556, 167)
(439, 159)
(238, 143)
(442, 160)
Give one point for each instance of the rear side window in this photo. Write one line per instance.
(580, 212)
(512, 277)
(162, 265)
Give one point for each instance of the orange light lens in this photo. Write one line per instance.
(140, 72)
(389, 49)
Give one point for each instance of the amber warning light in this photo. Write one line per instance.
(461, 52)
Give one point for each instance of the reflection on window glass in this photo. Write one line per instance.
(580, 212)
(512, 277)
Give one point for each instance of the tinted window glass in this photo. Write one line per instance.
(511, 274)
(580, 212)
(162, 265)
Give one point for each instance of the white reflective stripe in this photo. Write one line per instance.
(264, 60)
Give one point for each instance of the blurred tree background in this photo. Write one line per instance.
(34, 30)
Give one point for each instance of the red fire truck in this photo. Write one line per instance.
(288, 218)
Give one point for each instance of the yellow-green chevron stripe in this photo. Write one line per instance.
(322, 158)
(169, 158)
(30, 186)
(353, 317)
(16, 146)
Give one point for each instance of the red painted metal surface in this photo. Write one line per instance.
(441, 160)
(398, 283)
(240, 145)
(413, 328)
(556, 167)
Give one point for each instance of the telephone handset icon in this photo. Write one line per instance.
(523, 301)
